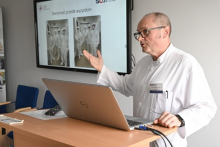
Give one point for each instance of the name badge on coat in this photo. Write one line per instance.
(156, 88)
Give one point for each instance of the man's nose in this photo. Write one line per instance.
(140, 38)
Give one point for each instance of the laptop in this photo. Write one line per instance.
(91, 103)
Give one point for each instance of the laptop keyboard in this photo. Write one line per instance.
(134, 123)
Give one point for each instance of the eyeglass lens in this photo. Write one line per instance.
(143, 34)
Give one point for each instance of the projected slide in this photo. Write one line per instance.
(67, 27)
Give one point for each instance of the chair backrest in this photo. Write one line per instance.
(26, 97)
(49, 101)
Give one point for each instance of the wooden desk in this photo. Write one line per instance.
(68, 132)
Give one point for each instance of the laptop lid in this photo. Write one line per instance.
(88, 102)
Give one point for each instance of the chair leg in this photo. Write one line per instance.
(12, 144)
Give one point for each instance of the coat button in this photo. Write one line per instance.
(140, 103)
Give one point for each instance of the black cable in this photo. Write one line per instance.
(156, 132)
(163, 139)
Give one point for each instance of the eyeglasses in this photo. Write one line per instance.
(145, 33)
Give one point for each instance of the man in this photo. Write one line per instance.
(88, 39)
(182, 97)
(84, 34)
(50, 46)
(64, 48)
(94, 39)
(55, 43)
(79, 41)
(59, 44)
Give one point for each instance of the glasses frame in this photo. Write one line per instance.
(137, 34)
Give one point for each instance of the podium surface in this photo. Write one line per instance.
(69, 132)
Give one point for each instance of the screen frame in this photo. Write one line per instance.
(128, 37)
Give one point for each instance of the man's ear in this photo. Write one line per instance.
(166, 32)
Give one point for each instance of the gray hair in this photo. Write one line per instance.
(161, 19)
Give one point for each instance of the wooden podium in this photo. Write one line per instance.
(69, 132)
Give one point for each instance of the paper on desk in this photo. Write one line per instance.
(9, 120)
(40, 114)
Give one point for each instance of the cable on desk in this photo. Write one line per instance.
(156, 132)
(163, 140)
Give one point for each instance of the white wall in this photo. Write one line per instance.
(196, 29)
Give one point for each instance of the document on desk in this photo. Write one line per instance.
(9, 120)
(40, 114)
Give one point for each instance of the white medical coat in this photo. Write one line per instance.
(188, 92)
(56, 37)
(89, 37)
(64, 42)
(50, 42)
(95, 37)
(79, 39)
(59, 40)
(84, 33)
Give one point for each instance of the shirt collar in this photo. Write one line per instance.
(164, 56)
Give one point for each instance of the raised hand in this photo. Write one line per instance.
(96, 62)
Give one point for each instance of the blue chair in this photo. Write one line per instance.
(49, 101)
(26, 99)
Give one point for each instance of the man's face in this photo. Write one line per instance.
(150, 43)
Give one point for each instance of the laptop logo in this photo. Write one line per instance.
(84, 104)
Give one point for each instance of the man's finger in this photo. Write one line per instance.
(167, 121)
(163, 115)
(86, 54)
(98, 53)
(172, 124)
(156, 121)
(165, 118)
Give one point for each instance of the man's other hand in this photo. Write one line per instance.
(168, 120)
(96, 62)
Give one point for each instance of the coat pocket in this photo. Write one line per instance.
(161, 102)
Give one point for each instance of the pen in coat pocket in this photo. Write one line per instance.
(167, 94)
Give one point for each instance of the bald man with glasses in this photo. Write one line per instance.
(168, 85)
